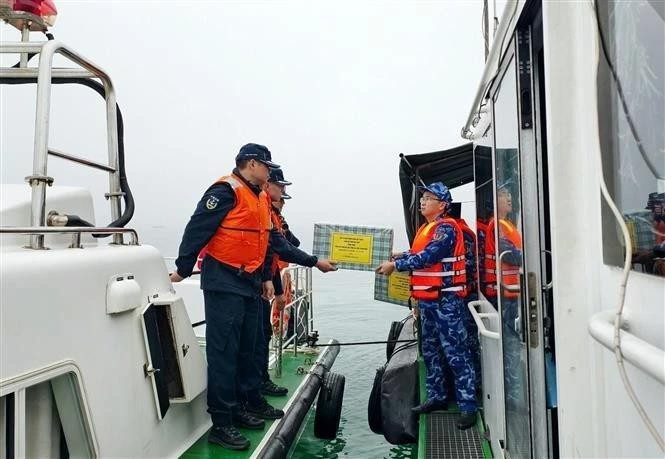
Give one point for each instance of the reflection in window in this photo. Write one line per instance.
(634, 34)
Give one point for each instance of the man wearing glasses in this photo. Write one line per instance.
(436, 262)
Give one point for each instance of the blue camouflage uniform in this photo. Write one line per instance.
(472, 295)
(444, 327)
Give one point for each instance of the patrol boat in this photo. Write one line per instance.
(566, 144)
(98, 356)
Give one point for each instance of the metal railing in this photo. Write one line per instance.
(75, 231)
(302, 297)
(45, 74)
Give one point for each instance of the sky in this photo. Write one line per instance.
(336, 90)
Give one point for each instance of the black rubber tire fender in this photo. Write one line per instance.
(393, 335)
(374, 415)
(329, 406)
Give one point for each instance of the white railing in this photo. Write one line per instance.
(638, 352)
(478, 318)
(301, 283)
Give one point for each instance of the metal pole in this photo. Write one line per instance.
(296, 318)
(38, 180)
(280, 339)
(115, 195)
(25, 37)
(310, 273)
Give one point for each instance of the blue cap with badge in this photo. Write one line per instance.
(257, 152)
(277, 176)
(439, 190)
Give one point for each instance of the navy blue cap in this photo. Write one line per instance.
(257, 152)
(439, 190)
(277, 176)
(654, 199)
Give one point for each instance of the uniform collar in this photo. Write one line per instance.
(254, 188)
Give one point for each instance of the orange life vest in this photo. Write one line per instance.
(428, 283)
(242, 237)
(276, 263)
(470, 243)
(510, 273)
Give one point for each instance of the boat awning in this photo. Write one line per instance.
(454, 167)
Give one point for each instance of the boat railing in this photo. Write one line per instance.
(301, 281)
(75, 231)
(647, 357)
(44, 75)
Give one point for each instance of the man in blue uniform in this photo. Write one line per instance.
(232, 293)
(444, 327)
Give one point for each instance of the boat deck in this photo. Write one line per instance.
(294, 370)
(439, 437)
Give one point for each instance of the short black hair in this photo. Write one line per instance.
(242, 163)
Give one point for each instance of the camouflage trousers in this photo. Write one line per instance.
(473, 340)
(445, 346)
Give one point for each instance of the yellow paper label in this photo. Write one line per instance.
(351, 248)
(398, 286)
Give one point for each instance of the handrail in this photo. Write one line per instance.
(76, 230)
(477, 317)
(79, 160)
(39, 179)
(297, 272)
(647, 357)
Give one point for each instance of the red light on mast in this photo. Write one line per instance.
(41, 14)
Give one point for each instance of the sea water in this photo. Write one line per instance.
(345, 309)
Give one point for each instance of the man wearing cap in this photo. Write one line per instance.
(438, 281)
(232, 220)
(276, 191)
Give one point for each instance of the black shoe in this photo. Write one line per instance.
(243, 419)
(228, 437)
(429, 406)
(466, 420)
(270, 388)
(263, 410)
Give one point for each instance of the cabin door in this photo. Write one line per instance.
(517, 261)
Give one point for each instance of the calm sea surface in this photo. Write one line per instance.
(344, 309)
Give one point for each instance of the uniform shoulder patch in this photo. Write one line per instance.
(212, 202)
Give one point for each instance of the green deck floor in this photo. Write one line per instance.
(289, 379)
(422, 422)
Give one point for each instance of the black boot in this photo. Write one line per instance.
(228, 437)
(262, 409)
(429, 406)
(243, 419)
(270, 388)
(466, 420)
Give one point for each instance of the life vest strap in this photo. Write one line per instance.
(438, 273)
(247, 230)
(453, 259)
(457, 288)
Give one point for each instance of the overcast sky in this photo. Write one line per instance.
(336, 90)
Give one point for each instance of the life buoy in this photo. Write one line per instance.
(288, 293)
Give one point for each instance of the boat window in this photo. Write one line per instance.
(482, 162)
(633, 32)
(52, 421)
